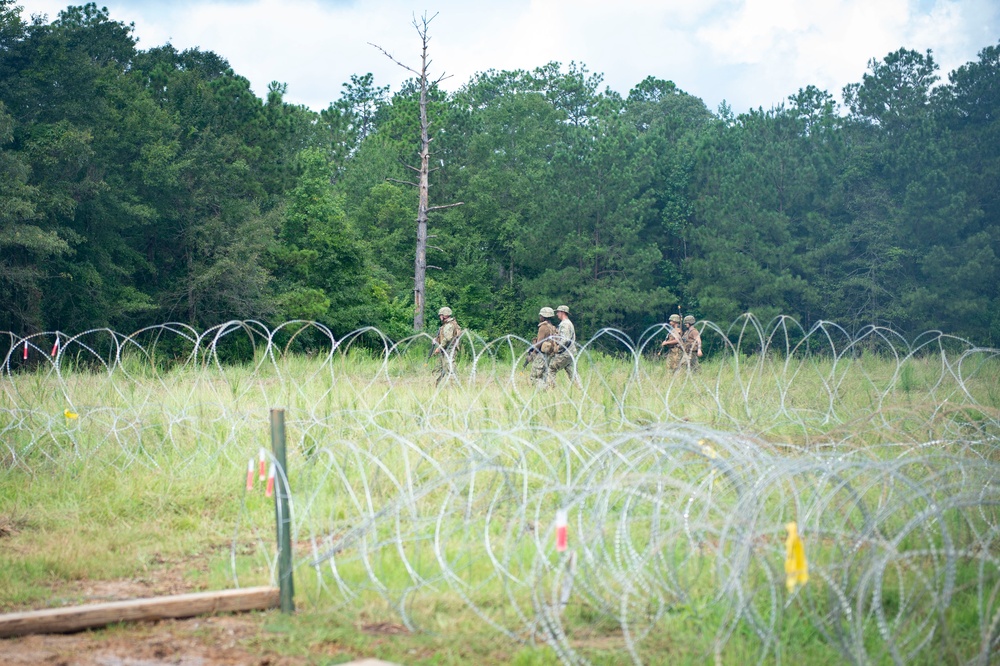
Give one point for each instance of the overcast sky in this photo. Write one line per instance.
(750, 53)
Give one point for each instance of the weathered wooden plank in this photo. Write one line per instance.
(77, 618)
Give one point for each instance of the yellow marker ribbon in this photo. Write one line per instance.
(71, 415)
(711, 454)
(796, 567)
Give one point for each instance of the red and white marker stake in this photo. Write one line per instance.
(562, 538)
(260, 466)
(250, 475)
(25, 350)
(270, 482)
(55, 347)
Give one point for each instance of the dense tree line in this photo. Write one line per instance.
(143, 186)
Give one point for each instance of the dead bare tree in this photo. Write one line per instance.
(423, 183)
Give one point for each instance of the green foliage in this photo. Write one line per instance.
(140, 186)
(321, 257)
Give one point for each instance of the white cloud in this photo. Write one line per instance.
(750, 52)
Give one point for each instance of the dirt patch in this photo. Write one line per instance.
(384, 629)
(166, 579)
(222, 640)
(160, 576)
(225, 640)
(11, 525)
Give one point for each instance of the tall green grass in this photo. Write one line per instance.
(152, 471)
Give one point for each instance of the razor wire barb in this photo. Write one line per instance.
(678, 486)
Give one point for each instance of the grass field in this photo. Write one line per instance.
(424, 514)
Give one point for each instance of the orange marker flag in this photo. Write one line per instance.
(261, 466)
(562, 537)
(796, 567)
(250, 475)
(270, 482)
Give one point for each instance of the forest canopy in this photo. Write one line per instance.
(144, 186)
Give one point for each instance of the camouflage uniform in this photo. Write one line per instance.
(566, 346)
(445, 344)
(675, 342)
(543, 348)
(691, 341)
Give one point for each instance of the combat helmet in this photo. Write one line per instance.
(675, 317)
(563, 308)
(546, 312)
(446, 311)
(689, 319)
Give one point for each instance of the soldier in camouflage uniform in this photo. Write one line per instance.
(565, 346)
(542, 349)
(691, 342)
(445, 344)
(674, 343)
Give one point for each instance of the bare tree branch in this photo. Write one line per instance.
(423, 207)
(451, 205)
(403, 182)
(389, 56)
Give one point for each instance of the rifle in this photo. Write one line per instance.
(529, 357)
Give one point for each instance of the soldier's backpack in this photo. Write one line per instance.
(549, 345)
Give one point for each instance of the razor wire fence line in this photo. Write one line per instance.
(663, 520)
(677, 486)
(774, 377)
